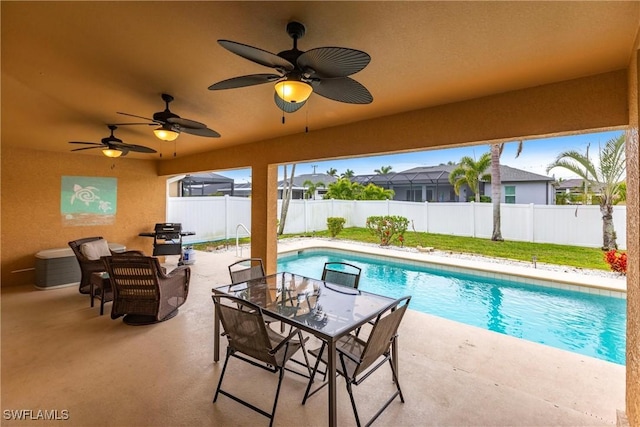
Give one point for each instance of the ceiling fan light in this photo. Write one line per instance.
(110, 152)
(293, 90)
(165, 133)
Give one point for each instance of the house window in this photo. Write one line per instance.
(510, 194)
(414, 195)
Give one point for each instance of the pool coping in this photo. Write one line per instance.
(582, 282)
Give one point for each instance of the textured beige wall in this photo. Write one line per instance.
(31, 219)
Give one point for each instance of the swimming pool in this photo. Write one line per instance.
(579, 322)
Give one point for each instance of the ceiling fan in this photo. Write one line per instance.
(112, 146)
(323, 70)
(171, 125)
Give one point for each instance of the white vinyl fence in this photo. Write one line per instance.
(217, 218)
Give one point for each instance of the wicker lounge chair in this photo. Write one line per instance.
(358, 358)
(250, 340)
(88, 252)
(142, 292)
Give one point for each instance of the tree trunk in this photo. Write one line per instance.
(608, 232)
(496, 191)
(286, 197)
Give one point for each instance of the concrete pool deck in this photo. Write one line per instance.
(59, 353)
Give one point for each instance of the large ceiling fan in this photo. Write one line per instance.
(323, 70)
(112, 146)
(170, 125)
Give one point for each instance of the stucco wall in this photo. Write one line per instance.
(31, 220)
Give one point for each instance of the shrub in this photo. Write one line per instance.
(617, 261)
(386, 228)
(335, 224)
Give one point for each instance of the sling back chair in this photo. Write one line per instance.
(359, 358)
(250, 340)
(341, 273)
(246, 269)
(142, 292)
(88, 252)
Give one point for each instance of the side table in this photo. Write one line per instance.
(100, 287)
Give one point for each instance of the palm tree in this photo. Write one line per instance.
(333, 172)
(311, 188)
(287, 190)
(607, 175)
(383, 170)
(496, 187)
(470, 172)
(347, 174)
(343, 189)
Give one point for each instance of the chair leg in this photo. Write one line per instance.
(313, 374)
(395, 379)
(224, 368)
(102, 300)
(353, 401)
(275, 402)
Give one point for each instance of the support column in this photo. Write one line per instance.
(633, 247)
(264, 198)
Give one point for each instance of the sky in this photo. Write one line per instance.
(536, 155)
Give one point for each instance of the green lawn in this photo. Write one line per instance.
(575, 256)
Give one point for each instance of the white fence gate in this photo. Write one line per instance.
(217, 218)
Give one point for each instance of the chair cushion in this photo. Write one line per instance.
(96, 249)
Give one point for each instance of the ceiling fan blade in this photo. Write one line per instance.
(139, 117)
(287, 107)
(186, 123)
(86, 143)
(136, 148)
(201, 132)
(256, 55)
(343, 89)
(243, 81)
(87, 148)
(331, 62)
(136, 124)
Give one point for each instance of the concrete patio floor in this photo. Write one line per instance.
(60, 354)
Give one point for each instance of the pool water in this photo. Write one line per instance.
(587, 324)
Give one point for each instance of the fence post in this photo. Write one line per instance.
(226, 217)
(473, 219)
(532, 236)
(306, 219)
(426, 215)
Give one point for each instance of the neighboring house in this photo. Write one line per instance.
(574, 189)
(431, 184)
(299, 191)
(203, 184)
(212, 184)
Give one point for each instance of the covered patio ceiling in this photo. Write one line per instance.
(68, 67)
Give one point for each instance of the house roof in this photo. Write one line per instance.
(299, 180)
(440, 175)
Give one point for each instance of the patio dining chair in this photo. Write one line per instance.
(246, 269)
(341, 273)
(250, 340)
(359, 358)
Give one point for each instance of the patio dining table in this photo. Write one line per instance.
(325, 310)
